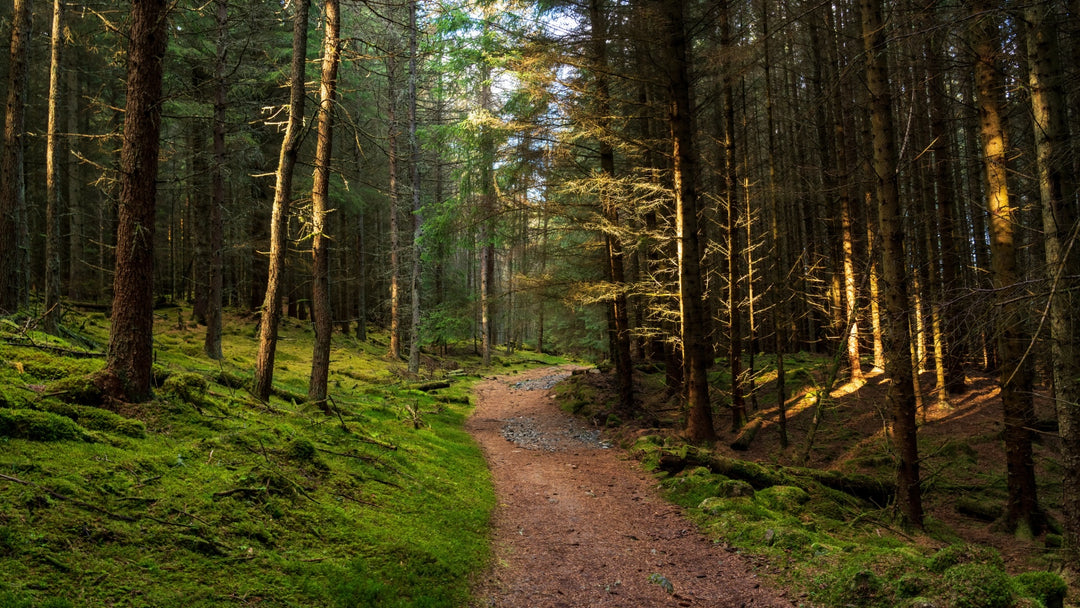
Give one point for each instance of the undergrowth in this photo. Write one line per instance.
(812, 536)
(206, 497)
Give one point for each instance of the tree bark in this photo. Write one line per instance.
(896, 339)
(51, 320)
(279, 221)
(1022, 513)
(395, 209)
(1057, 190)
(624, 368)
(417, 217)
(699, 424)
(487, 214)
(212, 342)
(127, 371)
(14, 233)
(322, 318)
(735, 347)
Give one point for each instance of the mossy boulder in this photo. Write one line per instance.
(954, 555)
(1045, 587)
(786, 499)
(81, 390)
(187, 386)
(301, 450)
(734, 488)
(39, 426)
(975, 585)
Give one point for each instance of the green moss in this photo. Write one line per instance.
(78, 389)
(39, 426)
(96, 418)
(965, 554)
(976, 585)
(787, 499)
(1046, 587)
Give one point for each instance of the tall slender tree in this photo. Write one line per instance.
(212, 341)
(52, 197)
(417, 216)
(1022, 512)
(320, 192)
(279, 221)
(127, 370)
(14, 233)
(896, 338)
(1054, 146)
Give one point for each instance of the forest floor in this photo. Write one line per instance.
(578, 524)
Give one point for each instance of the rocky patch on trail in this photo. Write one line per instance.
(542, 383)
(526, 433)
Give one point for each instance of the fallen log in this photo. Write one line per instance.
(760, 476)
(430, 386)
(746, 435)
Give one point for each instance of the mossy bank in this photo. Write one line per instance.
(206, 497)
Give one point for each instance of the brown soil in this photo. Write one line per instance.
(577, 524)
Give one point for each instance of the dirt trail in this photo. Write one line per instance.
(578, 525)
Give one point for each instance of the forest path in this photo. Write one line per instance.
(578, 524)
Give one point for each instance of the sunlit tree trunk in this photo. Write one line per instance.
(51, 320)
(279, 221)
(14, 234)
(896, 339)
(699, 424)
(1057, 191)
(1022, 512)
(127, 370)
(395, 208)
(322, 318)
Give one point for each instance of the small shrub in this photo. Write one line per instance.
(975, 585)
(1046, 587)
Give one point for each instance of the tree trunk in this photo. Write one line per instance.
(738, 398)
(322, 319)
(699, 424)
(952, 364)
(779, 307)
(1022, 513)
(896, 340)
(1057, 190)
(212, 343)
(624, 368)
(395, 204)
(417, 218)
(487, 215)
(14, 233)
(127, 371)
(51, 321)
(279, 221)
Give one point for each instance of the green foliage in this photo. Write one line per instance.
(974, 585)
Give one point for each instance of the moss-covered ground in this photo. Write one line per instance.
(206, 497)
(829, 547)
